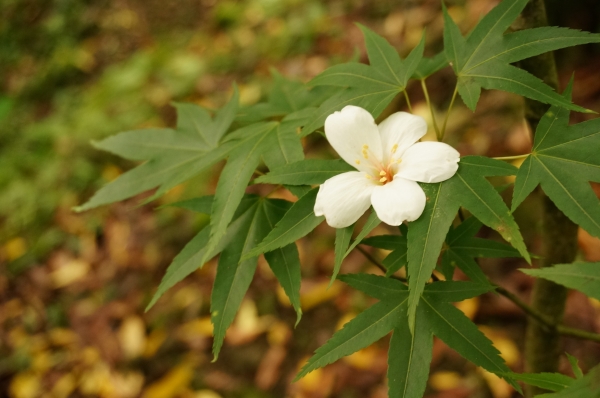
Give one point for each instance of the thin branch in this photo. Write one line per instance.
(377, 263)
(435, 126)
(543, 320)
(448, 113)
(407, 100)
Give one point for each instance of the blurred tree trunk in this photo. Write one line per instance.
(559, 234)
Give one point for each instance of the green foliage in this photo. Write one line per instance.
(563, 160)
(305, 172)
(372, 86)
(467, 188)
(547, 381)
(586, 387)
(436, 316)
(482, 59)
(584, 277)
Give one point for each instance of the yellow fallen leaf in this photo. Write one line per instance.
(206, 394)
(363, 359)
(154, 341)
(193, 329)
(132, 336)
(319, 293)
(69, 273)
(15, 248)
(469, 307)
(25, 385)
(172, 383)
(127, 385)
(96, 380)
(500, 388)
(64, 386)
(445, 380)
(63, 336)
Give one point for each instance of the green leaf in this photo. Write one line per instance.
(285, 261)
(428, 66)
(233, 180)
(234, 275)
(467, 188)
(463, 336)
(410, 353)
(409, 358)
(192, 255)
(574, 366)
(342, 241)
(396, 259)
(305, 172)
(454, 291)
(586, 387)
(547, 381)
(372, 86)
(372, 222)
(376, 286)
(563, 161)
(368, 327)
(387, 242)
(296, 223)
(482, 60)
(581, 276)
(172, 156)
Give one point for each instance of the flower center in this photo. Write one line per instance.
(383, 173)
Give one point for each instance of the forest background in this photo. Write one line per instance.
(73, 287)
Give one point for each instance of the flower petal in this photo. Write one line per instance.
(348, 131)
(429, 162)
(402, 129)
(344, 198)
(398, 201)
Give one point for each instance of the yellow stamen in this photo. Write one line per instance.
(368, 177)
(394, 148)
(383, 179)
(382, 173)
(357, 161)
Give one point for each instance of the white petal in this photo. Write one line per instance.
(348, 131)
(398, 201)
(429, 162)
(402, 129)
(344, 198)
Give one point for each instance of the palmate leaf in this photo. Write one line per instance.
(547, 381)
(191, 256)
(285, 97)
(581, 276)
(299, 220)
(234, 275)
(462, 247)
(482, 59)
(467, 188)
(172, 156)
(277, 143)
(410, 353)
(563, 159)
(586, 387)
(305, 172)
(372, 86)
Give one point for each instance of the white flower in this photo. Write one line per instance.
(389, 161)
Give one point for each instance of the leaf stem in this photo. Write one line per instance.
(426, 92)
(543, 320)
(512, 157)
(448, 113)
(376, 263)
(407, 100)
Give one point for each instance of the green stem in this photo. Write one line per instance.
(426, 92)
(512, 157)
(407, 100)
(448, 113)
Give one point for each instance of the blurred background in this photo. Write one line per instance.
(73, 287)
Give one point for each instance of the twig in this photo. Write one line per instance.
(426, 93)
(407, 101)
(448, 113)
(377, 263)
(542, 319)
(512, 157)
